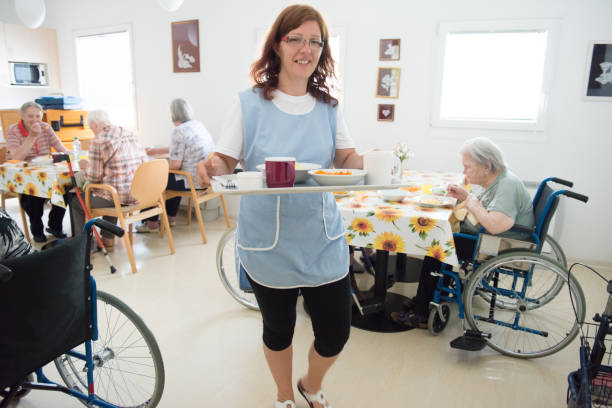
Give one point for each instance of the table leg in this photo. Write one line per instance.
(377, 308)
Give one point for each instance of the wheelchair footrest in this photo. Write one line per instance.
(472, 340)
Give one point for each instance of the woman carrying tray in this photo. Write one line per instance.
(292, 243)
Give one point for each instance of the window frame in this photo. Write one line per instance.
(88, 32)
(493, 26)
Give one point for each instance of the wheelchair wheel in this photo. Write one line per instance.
(548, 286)
(226, 266)
(129, 370)
(435, 324)
(522, 331)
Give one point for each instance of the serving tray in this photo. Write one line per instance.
(219, 185)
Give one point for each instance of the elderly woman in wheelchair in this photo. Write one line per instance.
(513, 302)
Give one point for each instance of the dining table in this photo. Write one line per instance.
(407, 227)
(47, 181)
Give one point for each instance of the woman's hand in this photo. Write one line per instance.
(458, 192)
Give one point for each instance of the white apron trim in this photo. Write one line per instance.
(277, 232)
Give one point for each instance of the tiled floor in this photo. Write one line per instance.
(212, 349)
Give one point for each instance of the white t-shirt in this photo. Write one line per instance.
(231, 142)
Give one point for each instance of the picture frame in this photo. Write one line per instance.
(386, 112)
(598, 85)
(387, 83)
(185, 46)
(389, 49)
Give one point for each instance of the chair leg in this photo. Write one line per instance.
(189, 211)
(26, 230)
(200, 221)
(128, 245)
(227, 219)
(164, 220)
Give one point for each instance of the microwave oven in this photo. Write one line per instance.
(28, 73)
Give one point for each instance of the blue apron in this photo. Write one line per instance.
(290, 240)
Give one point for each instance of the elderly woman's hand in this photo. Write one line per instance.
(471, 202)
(458, 192)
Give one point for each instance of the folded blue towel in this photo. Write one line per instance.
(59, 100)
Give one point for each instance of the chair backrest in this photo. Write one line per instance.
(2, 154)
(7, 118)
(544, 207)
(150, 181)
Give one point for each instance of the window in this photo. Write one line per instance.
(493, 74)
(105, 74)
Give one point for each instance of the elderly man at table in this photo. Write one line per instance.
(503, 203)
(191, 143)
(26, 139)
(114, 155)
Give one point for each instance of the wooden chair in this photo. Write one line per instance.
(197, 197)
(148, 187)
(4, 195)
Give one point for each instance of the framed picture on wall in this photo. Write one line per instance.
(389, 50)
(185, 46)
(386, 112)
(599, 71)
(387, 84)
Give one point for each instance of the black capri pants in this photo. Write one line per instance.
(329, 306)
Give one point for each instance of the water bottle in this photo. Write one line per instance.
(76, 153)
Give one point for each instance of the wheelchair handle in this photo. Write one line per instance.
(561, 181)
(576, 196)
(105, 225)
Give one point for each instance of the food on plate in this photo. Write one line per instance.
(431, 201)
(341, 192)
(14, 161)
(411, 188)
(334, 173)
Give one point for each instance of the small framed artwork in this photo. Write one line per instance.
(389, 50)
(386, 112)
(185, 46)
(599, 71)
(387, 84)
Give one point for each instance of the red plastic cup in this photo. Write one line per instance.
(280, 171)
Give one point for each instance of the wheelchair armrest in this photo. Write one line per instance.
(5, 274)
(519, 228)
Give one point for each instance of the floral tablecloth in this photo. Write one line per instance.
(43, 181)
(402, 226)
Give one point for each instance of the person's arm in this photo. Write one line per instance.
(94, 171)
(493, 221)
(348, 159)
(215, 164)
(157, 150)
(175, 164)
(457, 192)
(18, 147)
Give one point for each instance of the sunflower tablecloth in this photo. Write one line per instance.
(42, 181)
(404, 226)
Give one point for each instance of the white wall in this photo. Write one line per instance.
(575, 145)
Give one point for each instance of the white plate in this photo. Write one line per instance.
(355, 177)
(436, 201)
(301, 170)
(42, 161)
(393, 195)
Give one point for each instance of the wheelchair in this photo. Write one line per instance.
(517, 300)
(51, 311)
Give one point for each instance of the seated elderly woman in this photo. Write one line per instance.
(114, 155)
(190, 144)
(503, 202)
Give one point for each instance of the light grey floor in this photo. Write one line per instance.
(212, 349)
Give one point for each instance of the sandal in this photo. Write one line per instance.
(409, 319)
(278, 404)
(319, 397)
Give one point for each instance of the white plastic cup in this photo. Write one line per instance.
(379, 164)
(250, 180)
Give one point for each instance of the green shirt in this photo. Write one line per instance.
(508, 195)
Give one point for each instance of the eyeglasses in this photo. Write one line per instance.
(296, 41)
